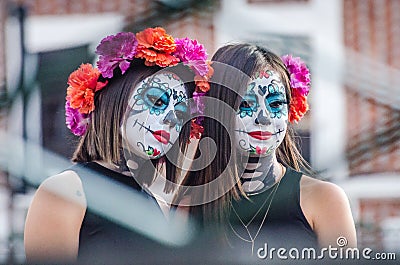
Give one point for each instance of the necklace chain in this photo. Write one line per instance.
(252, 239)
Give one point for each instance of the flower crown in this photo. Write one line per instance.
(300, 86)
(153, 45)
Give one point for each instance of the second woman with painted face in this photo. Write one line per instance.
(262, 200)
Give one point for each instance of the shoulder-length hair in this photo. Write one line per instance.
(250, 60)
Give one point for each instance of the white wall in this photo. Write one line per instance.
(44, 33)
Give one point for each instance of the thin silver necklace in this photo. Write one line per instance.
(253, 238)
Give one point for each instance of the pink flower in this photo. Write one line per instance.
(299, 74)
(198, 105)
(76, 121)
(300, 86)
(116, 51)
(193, 54)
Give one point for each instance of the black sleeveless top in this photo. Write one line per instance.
(102, 239)
(283, 226)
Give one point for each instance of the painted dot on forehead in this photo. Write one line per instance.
(172, 76)
(265, 74)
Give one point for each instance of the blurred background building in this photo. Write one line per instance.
(351, 135)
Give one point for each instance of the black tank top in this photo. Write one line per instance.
(285, 224)
(102, 239)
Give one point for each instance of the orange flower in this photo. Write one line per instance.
(202, 81)
(201, 84)
(155, 46)
(157, 39)
(83, 100)
(82, 86)
(298, 106)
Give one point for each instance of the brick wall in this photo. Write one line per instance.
(195, 23)
(275, 1)
(372, 41)
(55, 7)
(200, 26)
(372, 213)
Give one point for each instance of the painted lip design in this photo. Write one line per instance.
(162, 136)
(260, 135)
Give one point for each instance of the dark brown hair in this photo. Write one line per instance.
(103, 141)
(248, 59)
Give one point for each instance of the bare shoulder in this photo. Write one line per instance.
(319, 196)
(317, 190)
(66, 185)
(327, 209)
(54, 219)
(57, 196)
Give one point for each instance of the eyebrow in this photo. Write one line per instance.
(275, 94)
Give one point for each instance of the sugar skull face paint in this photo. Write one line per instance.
(156, 111)
(261, 121)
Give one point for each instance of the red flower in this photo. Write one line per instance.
(196, 130)
(298, 106)
(82, 85)
(155, 46)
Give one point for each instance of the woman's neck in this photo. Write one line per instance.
(127, 167)
(261, 173)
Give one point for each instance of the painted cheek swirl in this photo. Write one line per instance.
(242, 145)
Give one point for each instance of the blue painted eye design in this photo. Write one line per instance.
(248, 106)
(275, 103)
(181, 110)
(154, 95)
(156, 99)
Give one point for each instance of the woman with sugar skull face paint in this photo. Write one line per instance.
(133, 118)
(156, 114)
(267, 201)
(261, 126)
